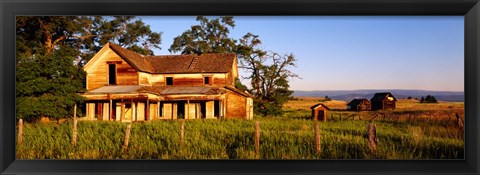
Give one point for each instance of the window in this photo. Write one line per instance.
(207, 80)
(169, 81)
(112, 74)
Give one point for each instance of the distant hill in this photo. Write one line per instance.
(348, 95)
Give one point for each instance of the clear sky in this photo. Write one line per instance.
(353, 52)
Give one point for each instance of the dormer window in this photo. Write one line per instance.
(169, 81)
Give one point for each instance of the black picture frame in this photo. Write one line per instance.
(470, 9)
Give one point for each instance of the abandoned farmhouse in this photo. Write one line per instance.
(123, 85)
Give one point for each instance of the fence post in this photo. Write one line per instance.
(74, 133)
(74, 137)
(257, 137)
(459, 122)
(20, 131)
(317, 138)
(127, 137)
(182, 131)
(372, 136)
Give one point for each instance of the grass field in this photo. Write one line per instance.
(414, 131)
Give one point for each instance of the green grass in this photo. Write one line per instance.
(281, 138)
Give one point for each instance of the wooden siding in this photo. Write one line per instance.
(249, 108)
(236, 105)
(210, 108)
(97, 73)
(144, 78)
(140, 111)
(106, 111)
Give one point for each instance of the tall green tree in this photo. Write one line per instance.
(51, 51)
(88, 34)
(273, 88)
(210, 36)
(46, 85)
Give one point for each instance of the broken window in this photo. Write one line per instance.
(112, 73)
(169, 81)
(207, 80)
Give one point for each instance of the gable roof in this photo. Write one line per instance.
(382, 95)
(164, 64)
(319, 104)
(356, 102)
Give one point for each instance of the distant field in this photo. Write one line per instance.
(413, 131)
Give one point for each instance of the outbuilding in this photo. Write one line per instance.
(359, 105)
(319, 112)
(383, 101)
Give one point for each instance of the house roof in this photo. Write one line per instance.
(166, 90)
(319, 104)
(238, 91)
(190, 63)
(159, 90)
(356, 102)
(382, 95)
(177, 90)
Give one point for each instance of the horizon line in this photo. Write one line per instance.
(385, 89)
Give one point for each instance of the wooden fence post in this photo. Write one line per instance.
(372, 136)
(257, 137)
(317, 138)
(20, 131)
(182, 131)
(74, 137)
(74, 133)
(459, 122)
(127, 137)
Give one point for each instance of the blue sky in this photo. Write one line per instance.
(353, 52)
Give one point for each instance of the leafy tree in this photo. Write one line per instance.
(46, 85)
(51, 51)
(88, 34)
(273, 90)
(210, 36)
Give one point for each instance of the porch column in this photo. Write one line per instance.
(188, 110)
(122, 110)
(147, 116)
(110, 111)
(158, 109)
(134, 111)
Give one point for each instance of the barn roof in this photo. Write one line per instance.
(190, 63)
(319, 104)
(382, 95)
(356, 102)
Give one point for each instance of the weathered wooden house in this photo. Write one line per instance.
(319, 112)
(359, 105)
(123, 85)
(383, 101)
